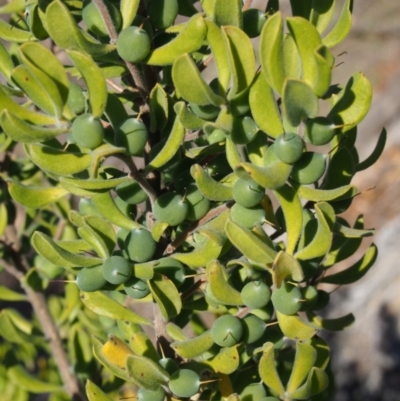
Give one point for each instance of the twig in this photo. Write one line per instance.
(49, 328)
(247, 5)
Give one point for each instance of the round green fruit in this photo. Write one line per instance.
(171, 268)
(116, 270)
(169, 365)
(255, 294)
(136, 288)
(244, 129)
(247, 193)
(253, 328)
(286, 299)
(147, 395)
(131, 192)
(227, 331)
(310, 296)
(126, 208)
(253, 21)
(309, 168)
(247, 217)
(140, 245)
(288, 147)
(87, 131)
(198, 205)
(170, 208)
(76, 98)
(94, 21)
(132, 135)
(252, 392)
(319, 131)
(90, 279)
(184, 383)
(133, 44)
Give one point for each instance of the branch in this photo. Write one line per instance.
(39, 305)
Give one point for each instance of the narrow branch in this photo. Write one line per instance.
(49, 328)
(247, 5)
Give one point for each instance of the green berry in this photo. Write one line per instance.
(133, 44)
(76, 99)
(309, 168)
(140, 245)
(94, 21)
(171, 268)
(136, 288)
(170, 208)
(227, 331)
(247, 192)
(310, 296)
(131, 192)
(132, 135)
(148, 395)
(319, 131)
(288, 147)
(169, 365)
(247, 217)
(244, 129)
(253, 328)
(253, 21)
(90, 279)
(286, 299)
(116, 270)
(252, 392)
(198, 205)
(184, 383)
(256, 294)
(87, 131)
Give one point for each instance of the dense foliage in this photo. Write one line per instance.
(194, 157)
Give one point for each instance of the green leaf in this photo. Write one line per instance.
(193, 347)
(325, 195)
(374, 156)
(35, 197)
(9, 332)
(293, 213)
(9, 295)
(10, 33)
(352, 102)
(6, 63)
(188, 119)
(106, 206)
(58, 161)
(158, 103)
(52, 252)
(19, 376)
(190, 85)
(317, 381)
(267, 370)
(101, 304)
(325, 61)
(321, 13)
(211, 189)
(348, 232)
(286, 266)
(291, 57)
(146, 373)
(141, 345)
(220, 287)
(128, 10)
(257, 149)
(95, 184)
(299, 101)
(228, 12)
(95, 393)
(323, 352)
(301, 8)
(232, 153)
(266, 112)
(342, 27)
(170, 147)
(226, 361)
(95, 241)
(241, 58)
(272, 176)
(294, 327)
(65, 32)
(188, 41)
(175, 332)
(322, 240)
(337, 324)
(341, 169)
(304, 360)
(271, 52)
(102, 228)
(251, 246)
(21, 131)
(356, 271)
(166, 295)
(218, 48)
(94, 79)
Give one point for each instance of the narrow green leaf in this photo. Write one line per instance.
(323, 352)
(52, 252)
(352, 103)
(293, 213)
(299, 101)
(10, 33)
(220, 287)
(267, 370)
(96, 184)
(20, 377)
(94, 79)
(342, 27)
(95, 393)
(337, 324)
(175, 332)
(190, 85)
(146, 373)
(266, 113)
(158, 103)
(9, 295)
(374, 156)
(6, 63)
(187, 118)
(304, 360)
(128, 10)
(101, 304)
(232, 153)
(249, 244)
(294, 327)
(193, 347)
(286, 266)
(291, 57)
(322, 13)
(271, 52)
(228, 12)
(211, 189)
(95, 241)
(141, 345)
(166, 295)
(317, 381)
(103, 228)
(325, 195)
(348, 232)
